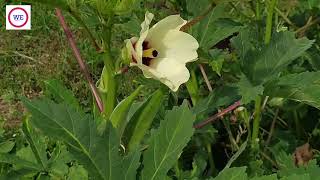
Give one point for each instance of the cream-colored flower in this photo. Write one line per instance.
(162, 51)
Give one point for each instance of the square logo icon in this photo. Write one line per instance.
(18, 17)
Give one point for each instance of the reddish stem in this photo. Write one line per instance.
(76, 53)
(218, 115)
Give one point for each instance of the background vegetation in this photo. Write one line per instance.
(264, 53)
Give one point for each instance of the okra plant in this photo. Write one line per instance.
(212, 73)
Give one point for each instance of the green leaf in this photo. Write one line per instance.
(287, 166)
(37, 144)
(217, 60)
(6, 146)
(119, 114)
(130, 165)
(237, 154)
(235, 173)
(27, 154)
(303, 87)
(193, 87)
(60, 93)
(167, 142)
(270, 177)
(221, 96)
(78, 173)
(63, 4)
(313, 4)
(195, 8)
(199, 165)
(297, 177)
(59, 159)
(98, 153)
(218, 30)
(141, 120)
(248, 91)
(125, 6)
(261, 64)
(214, 27)
(20, 163)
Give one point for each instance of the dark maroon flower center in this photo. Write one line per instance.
(149, 53)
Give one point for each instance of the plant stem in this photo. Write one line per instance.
(297, 123)
(273, 124)
(205, 77)
(218, 115)
(300, 32)
(233, 141)
(258, 10)
(211, 161)
(192, 87)
(269, 21)
(197, 19)
(256, 123)
(285, 17)
(108, 85)
(83, 66)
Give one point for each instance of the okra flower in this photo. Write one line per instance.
(162, 51)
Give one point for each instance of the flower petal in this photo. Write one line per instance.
(173, 74)
(173, 22)
(176, 45)
(130, 49)
(143, 35)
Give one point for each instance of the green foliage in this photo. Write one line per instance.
(232, 173)
(140, 121)
(294, 87)
(167, 143)
(215, 26)
(6, 146)
(120, 113)
(261, 64)
(59, 93)
(130, 165)
(92, 150)
(145, 133)
(248, 91)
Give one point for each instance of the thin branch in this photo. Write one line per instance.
(197, 19)
(273, 124)
(285, 18)
(218, 115)
(81, 63)
(304, 28)
(269, 159)
(264, 103)
(205, 77)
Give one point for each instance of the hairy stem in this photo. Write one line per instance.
(76, 53)
(218, 115)
(268, 33)
(258, 10)
(256, 123)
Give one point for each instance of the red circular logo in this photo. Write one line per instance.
(26, 19)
